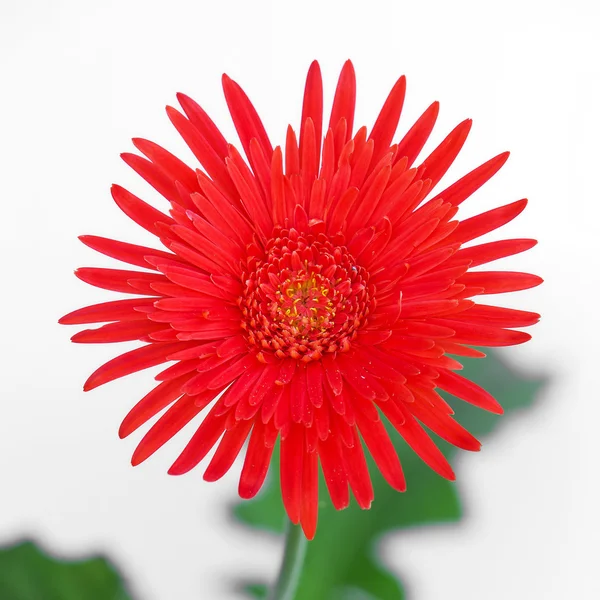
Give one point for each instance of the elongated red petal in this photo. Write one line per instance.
(485, 222)
(291, 470)
(482, 335)
(312, 107)
(412, 143)
(177, 417)
(202, 150)
(245, 118)
(227, 451)
(383, 451)
(202, 442)
(256, 463)
(132, 361)
(497, 282)
(385, 126)
(422, 444)
(117, 310)
(117, 332)
(157, 178)
(468, 391)
(357, 471)
(137, 210)
(151, 404)
(129, 253)
(438, 162)
(458, 192)
(174, 168)
(344, 100)
(334, 472)
(204, 124)
(484, 253)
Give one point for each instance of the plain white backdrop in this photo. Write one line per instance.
(79, 78)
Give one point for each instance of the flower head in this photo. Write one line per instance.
(305, 295)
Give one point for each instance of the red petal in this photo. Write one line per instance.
(468, 391)
(234, 370)
(236, 222)
(310, 494)
(309, 157)
(460, 350)
(117, 310)
(342, 209)
(361, 159)
(439, 161)
(499, 316)
(129, 253)
(227, 451)
(357, 472)
(498, 282)
(176, 169)
(161, 182)
(132, 361)
(412, 143)
(314, 383)
(270, 404)
(370, 200)
(334, 473)
(151, 404)
(262, 169)
(202, 150)
(202, 441)
(484, 253)
(184, 367)
(256, 463)
(385, 126)
(482, 335)
(245, 118)
(204, 124)
(291, 469)
(458, 192)
(332, 372)
(421, 443)
(344, 100)
(381, 448)
(177, 417)
(265, 383)
(137, 210)
(117, 280)
(419, 308)
(249, 193)
(312, 106)
(485, 222)
(117, 332)
(445, 426)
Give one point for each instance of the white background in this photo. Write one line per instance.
(78, 79)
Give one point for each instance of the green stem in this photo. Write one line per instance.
(291, 566)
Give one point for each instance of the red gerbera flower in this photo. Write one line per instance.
(305, 295)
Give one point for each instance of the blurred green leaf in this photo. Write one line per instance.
(342, 561)
(256, 590)
(28, 573)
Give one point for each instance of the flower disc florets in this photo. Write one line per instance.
(306, 297)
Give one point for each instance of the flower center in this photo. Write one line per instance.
(305, 297)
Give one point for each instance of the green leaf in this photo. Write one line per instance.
(342, 561)
(256, 590)
(28, 573)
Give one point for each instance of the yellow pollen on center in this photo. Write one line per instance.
(304, 304)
